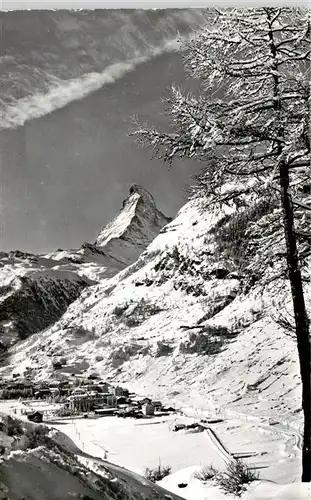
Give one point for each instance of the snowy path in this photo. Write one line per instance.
(274, 450)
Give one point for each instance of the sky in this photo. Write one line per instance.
(65, 175)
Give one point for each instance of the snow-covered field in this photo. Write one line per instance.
(138, 444)
(195, 490)
(274, 449)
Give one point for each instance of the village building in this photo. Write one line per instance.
(104, 387)
(111, 400)
(118, 391)
(43, 394)
(122, 400)
(144, 401)
(78, 391)
(157, 405)
(82, 401)
(55, 391)
(90, 387)
(168, 409)
(65, 384)
(148, 409)
(56, 384)
(139, 400)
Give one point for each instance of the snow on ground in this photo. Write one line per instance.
(137, 445)
(277, 451)
(50, 472)
(268, 491)
(127, 443)
(195, 489)
(274, 449)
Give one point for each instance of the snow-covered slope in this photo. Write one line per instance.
(43, 464)
(34, 293)
(35, 290)
(177, 325)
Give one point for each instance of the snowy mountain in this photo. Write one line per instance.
(34, 293)
(134, 228)
(179, 324)
(37, 289)
(120, 242)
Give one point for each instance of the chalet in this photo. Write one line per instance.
(118, 391)
(55, 391)
(103, 387)
(139, 400)
(64, 383)
(78, 391)
(144, 401)
(179, 427)
(91, 387)
(148, 409)
(43, 394)
(157, 405)
(168, 409)
(57, 384)
(36, 417)
(111, 400)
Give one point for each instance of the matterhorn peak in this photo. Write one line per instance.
(135, 227)
(143, 193)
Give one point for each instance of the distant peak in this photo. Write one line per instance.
(138, 222)
(144, 194)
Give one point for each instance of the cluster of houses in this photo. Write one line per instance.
(82, 395)
(104, 399)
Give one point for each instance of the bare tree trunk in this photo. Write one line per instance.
(301, 318)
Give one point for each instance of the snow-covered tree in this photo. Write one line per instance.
(249, 127)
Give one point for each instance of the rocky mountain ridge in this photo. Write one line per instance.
(37, 289)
